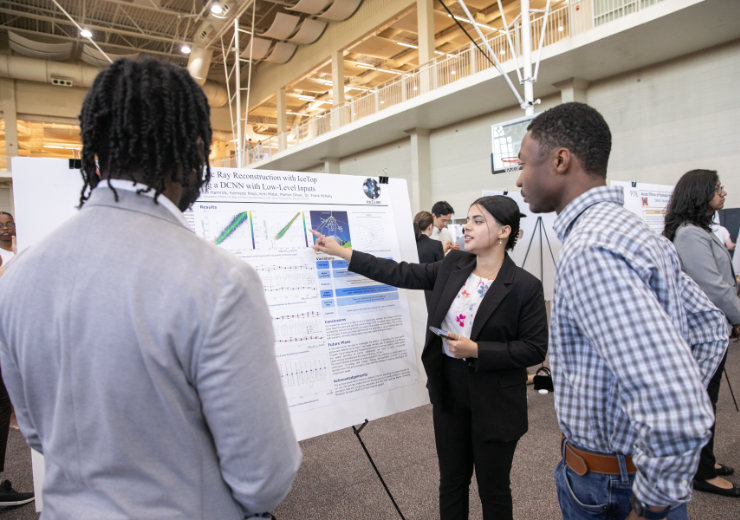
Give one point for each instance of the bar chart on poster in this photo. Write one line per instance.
(340, 338)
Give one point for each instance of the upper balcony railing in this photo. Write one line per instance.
(567, 19)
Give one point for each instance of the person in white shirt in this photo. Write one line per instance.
(442, 213)
(724, 235)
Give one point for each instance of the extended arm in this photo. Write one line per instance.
(238, 381)
(659, 383)
(403, 275)
(531, 346)
(694, 248)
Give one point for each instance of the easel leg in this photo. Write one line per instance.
(731, 392)
(357, 434)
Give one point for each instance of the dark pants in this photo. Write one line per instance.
(707, 461)
(5, 411)
(459, 451)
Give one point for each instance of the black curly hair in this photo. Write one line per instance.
(689, 202)
(148, 121)
(579, 128)
(505, 212)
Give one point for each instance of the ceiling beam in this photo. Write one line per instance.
(59, 20)
(72, 39)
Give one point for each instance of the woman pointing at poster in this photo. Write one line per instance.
(493, 320)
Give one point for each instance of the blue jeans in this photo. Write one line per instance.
(606, 497)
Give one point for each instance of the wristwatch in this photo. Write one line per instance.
(642, 510)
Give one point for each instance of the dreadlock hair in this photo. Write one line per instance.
(144, 118)
(580, 129)
(689, 202)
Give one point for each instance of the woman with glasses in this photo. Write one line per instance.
(698, 195)
(7, 235)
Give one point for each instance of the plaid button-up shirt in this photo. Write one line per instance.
(633, 343)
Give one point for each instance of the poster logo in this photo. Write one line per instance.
(371, 188)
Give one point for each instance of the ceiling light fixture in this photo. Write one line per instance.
(216, 8)
(306, 98)
(560, 28)
(389, 71)
(85, 33)
(362, 65)
(185, 49)
(453, 72)
(408, 45)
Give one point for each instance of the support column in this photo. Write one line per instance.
(337, 89)
(7, 95)
(282, 119)
(331, 164)
(425, 23)
(421, 170)
(573, 89)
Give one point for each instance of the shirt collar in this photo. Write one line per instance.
(567, 218)
(123, 184)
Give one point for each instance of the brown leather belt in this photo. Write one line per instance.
(581, 462)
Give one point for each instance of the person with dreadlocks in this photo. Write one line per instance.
(139, 357)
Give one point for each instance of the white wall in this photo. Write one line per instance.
(680, 115)
(396, 157)
(461, 158)
(674, 117)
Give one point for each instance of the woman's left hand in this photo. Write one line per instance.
(462, 347)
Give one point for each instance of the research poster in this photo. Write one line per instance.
(647, 201)
(338, 336)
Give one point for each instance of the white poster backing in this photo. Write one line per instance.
(348, 348)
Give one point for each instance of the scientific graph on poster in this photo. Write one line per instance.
(332, 224)
(279, 230)
(228, 225)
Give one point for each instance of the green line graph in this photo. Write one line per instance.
(287, 227)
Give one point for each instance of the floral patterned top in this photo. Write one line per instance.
(464, 307)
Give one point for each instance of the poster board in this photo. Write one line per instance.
(647, 201)
(543, 245)
(356, 353)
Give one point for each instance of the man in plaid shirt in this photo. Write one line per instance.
(633, 340)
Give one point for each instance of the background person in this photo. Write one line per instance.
(496, 316)
(151, 384)
(8, 495)
(7, 236)
(429, 250)
(723, 234)
(442, 213)
(705, 258)
(629, 394)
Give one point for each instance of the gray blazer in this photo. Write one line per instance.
(707, 260)
(140, 360)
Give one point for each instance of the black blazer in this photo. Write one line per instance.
(430, 250)
(510, 329)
